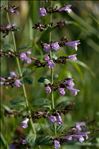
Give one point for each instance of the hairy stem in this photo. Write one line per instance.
(20, 73)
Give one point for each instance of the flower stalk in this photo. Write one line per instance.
(20, 73)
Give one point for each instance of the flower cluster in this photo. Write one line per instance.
(78, 133)
(50, 62)
(12, 9)
(42, 27)
(12, 80)
(24, 56)
(54, 46)
(64, 59)
(66, 84)
(44, 11)
(5, 29)
(56, 118)
(50, 46)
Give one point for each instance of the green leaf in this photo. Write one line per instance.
(28, 80)
(41, 79)
(31, 138)
(3, 141)
(86, 67)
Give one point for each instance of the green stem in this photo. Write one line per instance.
(52, 80)
(23, 86)
(52, 75)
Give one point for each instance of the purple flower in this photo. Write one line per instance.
(48, 89)
(72, 57)
(56, 119)
(55, 46)
(24, 123)
(29, 61)
(17, 83)
(23, 56)
(69, 82)
(13, 10)
(52, 118)
(73, 44)
(77, 137)
(73, 91)
(46, 58)
(46, 47)
(81, 139)
(62, 91)
(11, 27)
(13, 74)
(43, 12)
(79, 125)
(59, 119)
(80, 133)
(56, 144)
(66, 8)
(50, 63)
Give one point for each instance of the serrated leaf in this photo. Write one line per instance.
(31, 138)
(43, 140)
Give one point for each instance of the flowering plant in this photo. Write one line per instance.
(41, 122)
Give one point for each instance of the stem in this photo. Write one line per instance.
(52, 73)
(23, 86)
(50, 37)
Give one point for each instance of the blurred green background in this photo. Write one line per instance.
(83, 26)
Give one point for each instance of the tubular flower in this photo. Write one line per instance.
(62, 91)
(66, 8)
(24, 123)
(73, 44)
(24, 56)
(48, 89)
(43, 12)
(56, 144)
(55, 46)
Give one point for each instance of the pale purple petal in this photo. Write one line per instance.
(69, 82)
(43, 12)
(23, 56)
(72, 57)
(51, 64)
(73, 91)
(66, 8)
(46, 47)
(48, 89)
(56, 144)
(59, 119)
(62, 91)
(46, 58)
(79, 125)
(55, 46)
(73, 44)
(17, 83)
(24, 123)
(13, 74)
(52, 118)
